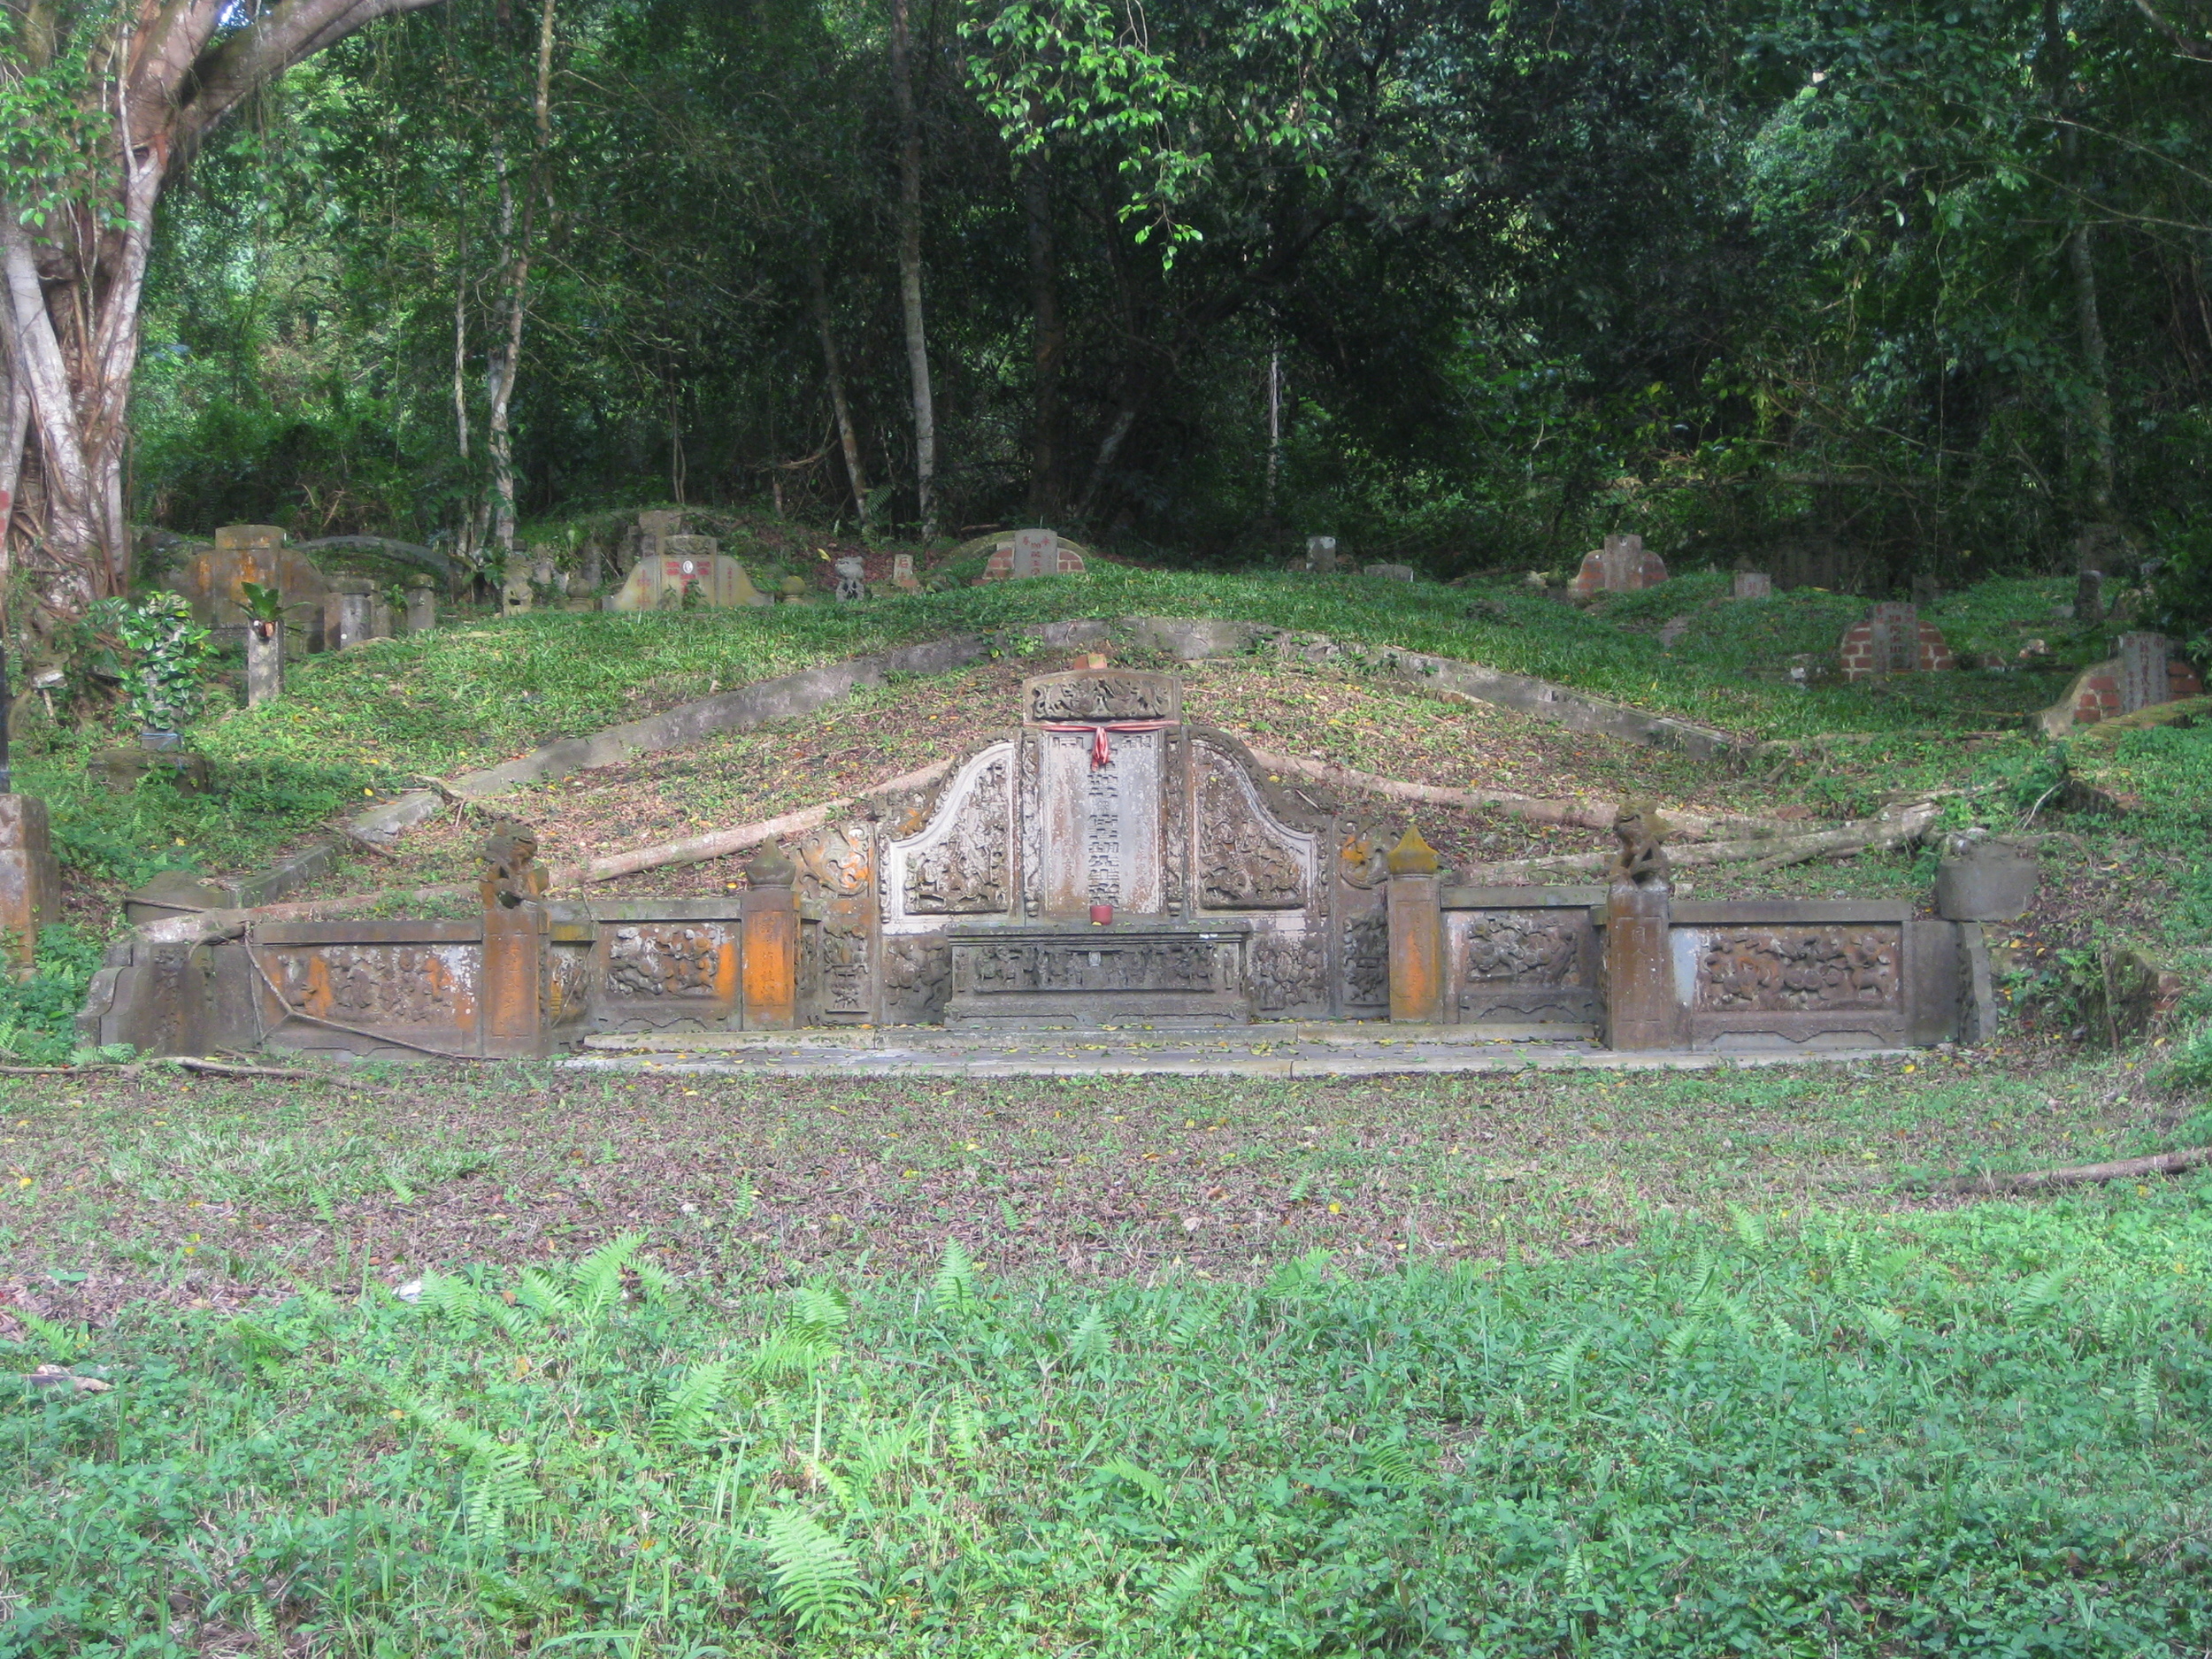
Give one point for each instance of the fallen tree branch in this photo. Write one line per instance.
(2082, 1174)
(289, 1074)
(1596, 815)
(720, 843)
(1886, 830)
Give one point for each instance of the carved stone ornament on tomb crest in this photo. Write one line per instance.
(835, 861)
(1245, 858)
(1097, 695)
(961, 863)
(1363, 859)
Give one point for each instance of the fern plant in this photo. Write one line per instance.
(817, 1581)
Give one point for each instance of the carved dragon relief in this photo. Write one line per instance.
(1245, 858)
(961, 863)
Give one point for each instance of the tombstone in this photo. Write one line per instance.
(1891, 638)
(346, 613)
(265, 663)
(514, 597)
(902, 577)
(2142, 677)
(380, 625)
(1031, 553)
(1753, 585)
(1390, 572)
(2089, 596)
(654, 529)
(1925, 591)
(1621, 565)
(422, 609)
(545, 573)
(852, 579)
(1320, 557)
(214, 579)
(593, 567)
(684, 564)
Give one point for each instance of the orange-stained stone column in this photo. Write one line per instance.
(769, 911)
(1643, 1009)
(510, 999)
(30, 879)
(1417, 932)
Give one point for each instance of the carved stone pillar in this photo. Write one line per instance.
(1641, 1009)
(30, 879)
(511, 999)
(422, 609)
(769, 981)
(1417, 931)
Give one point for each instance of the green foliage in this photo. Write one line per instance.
(160, 653)
(38, 1016)
(1919, 1431)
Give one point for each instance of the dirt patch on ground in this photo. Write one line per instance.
(214, 1192)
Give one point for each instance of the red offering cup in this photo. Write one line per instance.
(1101, 914)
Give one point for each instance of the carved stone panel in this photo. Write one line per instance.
(1838, 968)
(1244, 859)
(412, 988)
(1100, 696)
(673, 961)
(1287, 973)
(1099, 825)
(837, 871)
(1533, 965)
(1046, 975)
(916, 978)
(961, 863)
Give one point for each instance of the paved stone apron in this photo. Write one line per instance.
(1262, 1051)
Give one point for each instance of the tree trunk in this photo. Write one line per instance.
(910, 269)
(832, 366)
(1274, 431)
(461, 339)
(1049, 342)
(515, 246)
(2096, 368)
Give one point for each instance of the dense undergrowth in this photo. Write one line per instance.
(1974, 1433)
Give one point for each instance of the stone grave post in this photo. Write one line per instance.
(509, 1001)
(1642, 1010)
(380, 622)
(346, 612)
(30, 879)
(1321, 555)
(1753, 585)
(851, 579)
(265, 663)
(654, 528)
(422, 608)
(768, 910)
(2145, 680)
(1417, 931)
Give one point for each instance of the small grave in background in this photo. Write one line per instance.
(1891, 638)
(1622, 566)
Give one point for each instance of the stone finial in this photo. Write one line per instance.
(1643, 860)
(771, 867)
(1413, 856)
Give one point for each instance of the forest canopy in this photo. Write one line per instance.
(1885, 289)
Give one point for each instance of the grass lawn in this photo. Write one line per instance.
(1548, 1363)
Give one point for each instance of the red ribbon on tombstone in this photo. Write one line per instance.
(1101, 754)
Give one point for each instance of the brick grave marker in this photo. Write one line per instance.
(1622, 566)
(1891, 638)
